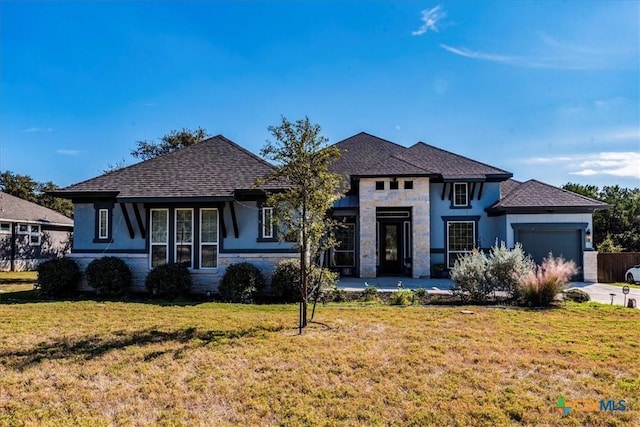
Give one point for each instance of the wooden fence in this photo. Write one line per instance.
(612, 266)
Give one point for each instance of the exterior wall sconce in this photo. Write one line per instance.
(587, 236)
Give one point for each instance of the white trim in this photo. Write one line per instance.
(175, 237)
(449, 252)
(201, 243)
(466, 192)
(5, 231)
(267, 233)
(106, 223)
(25, 231)
(152, 243)
(36, 234)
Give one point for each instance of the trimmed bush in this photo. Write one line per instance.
(540, 286)
(285, 282)
(169, 281)
(59, 276)
(401, 297)
(577, 295)
(242, 282)
(109, 276)
(369, 294)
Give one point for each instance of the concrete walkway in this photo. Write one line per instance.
(599, 292)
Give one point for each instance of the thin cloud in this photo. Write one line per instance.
(619, 164)
(431, 19)
(65, 152)
(34, 129)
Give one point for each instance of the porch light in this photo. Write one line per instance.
(587, 236)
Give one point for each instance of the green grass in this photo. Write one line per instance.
(92, 363)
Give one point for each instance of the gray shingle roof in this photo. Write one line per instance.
(215, 167)
(534, 194)
(368, 155)
(15, 209)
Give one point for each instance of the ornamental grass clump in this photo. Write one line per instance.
(540, 286)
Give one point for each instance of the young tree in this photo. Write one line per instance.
(172, 141)
(302, 161)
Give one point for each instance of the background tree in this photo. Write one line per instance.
(302, 161)
(27, 188)
(620, 223)
(172, 141)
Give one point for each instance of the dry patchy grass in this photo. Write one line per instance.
(90, 363)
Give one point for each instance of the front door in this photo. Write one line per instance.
(390, 248)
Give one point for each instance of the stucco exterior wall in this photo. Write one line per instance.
(417, 199)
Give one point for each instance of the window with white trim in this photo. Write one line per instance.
(5, 227)
(34, 235)
(460, 194)
(159, 242)
(266, 231)
(23, 228)
(208, 238)
(460, 239)
(343, 255)
(103, 223)
(184, 236)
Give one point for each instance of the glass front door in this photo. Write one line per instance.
(390, 248)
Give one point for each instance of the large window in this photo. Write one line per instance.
(184, 236)
(343, 255)
(208, 238)
(460, 239)
(460, 194)
(159, 231)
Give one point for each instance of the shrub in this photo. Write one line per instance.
(370, 293)
(242, 282)
(169, 281)
(420, 296)
(337, 295)
(285, 281)
(109, 276)
(58, 276)
(577, 295)
(541, 285)
(469, 272)
(608, 245)
(401, 297)
(505, 267)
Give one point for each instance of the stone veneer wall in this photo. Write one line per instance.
(203, 280)
(590, 266)
(417, 199)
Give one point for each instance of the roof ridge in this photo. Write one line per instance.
(372, 136)
(251, 154)
(458, 155)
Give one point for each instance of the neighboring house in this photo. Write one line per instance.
(30, 234)
(407, 209)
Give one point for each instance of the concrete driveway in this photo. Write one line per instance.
(599, 292)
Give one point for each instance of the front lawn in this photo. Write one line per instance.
(91, 363)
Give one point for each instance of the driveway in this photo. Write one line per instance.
(599, 292)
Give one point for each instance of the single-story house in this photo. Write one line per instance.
(407, 210)
(30, 234)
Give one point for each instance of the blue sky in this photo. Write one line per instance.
(547, 90)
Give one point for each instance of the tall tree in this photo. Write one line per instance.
(302, 160)
(172, 141)
(619, 225)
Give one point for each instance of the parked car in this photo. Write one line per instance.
(633, 274)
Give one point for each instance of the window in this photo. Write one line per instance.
(267, 223)
(406, 227)
(103, 223)
(208, 238)
(460, 196)
(393, 185)
(23, 229)
(343, 255)
(159, 231)
(379, 185)
(184, 236)
(408, 185)
(460, 239)
(34, 235)
(5, 227)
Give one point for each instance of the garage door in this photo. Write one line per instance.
(565, 243)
